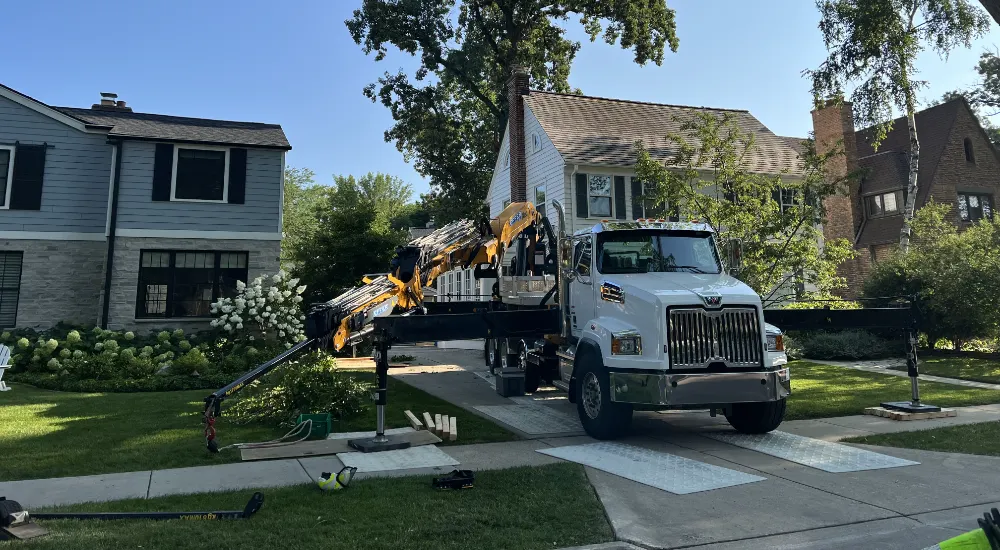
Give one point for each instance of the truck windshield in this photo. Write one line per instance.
(657, 251)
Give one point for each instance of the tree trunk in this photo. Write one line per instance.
(911, 188)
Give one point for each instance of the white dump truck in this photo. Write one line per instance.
(651, 320)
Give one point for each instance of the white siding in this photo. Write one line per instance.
(545, 167)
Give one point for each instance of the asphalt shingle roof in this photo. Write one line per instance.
(601, 131)
(176, 128)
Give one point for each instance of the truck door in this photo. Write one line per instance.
(581, 290)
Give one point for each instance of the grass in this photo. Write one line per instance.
(820, 391)
(976, 439)
(53, 434)
(402, 358)
(964, 368)
(523, 508)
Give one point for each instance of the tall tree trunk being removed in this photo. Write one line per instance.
(910, 203)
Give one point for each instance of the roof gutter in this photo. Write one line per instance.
(112, 227)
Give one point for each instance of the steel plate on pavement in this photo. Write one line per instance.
(822, 455)
(664, 471)
(533, 419)
(426, 456)
(362, 435)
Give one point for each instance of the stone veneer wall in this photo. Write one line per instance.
(263, 259)
(60, 281)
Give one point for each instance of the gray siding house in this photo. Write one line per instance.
(160, 214)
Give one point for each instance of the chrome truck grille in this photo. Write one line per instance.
(697, 338)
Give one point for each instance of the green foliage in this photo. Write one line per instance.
(449, 117)
(120, 385)
(708, 179)
(847, 344)
(402, 358)
(351, 240)
(874, 45)
(305, 204)
(308, 385)
(194, 361)
(954, 274)
(822, 301)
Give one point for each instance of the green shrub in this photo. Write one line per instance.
(191, 362)
(846, 344)
(60, 382)
(310, 385)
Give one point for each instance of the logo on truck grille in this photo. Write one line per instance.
(712, 301)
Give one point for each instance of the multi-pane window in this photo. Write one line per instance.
(468, 284)
(6, 174)
(599, 195)
(10, 287)
(184, 284)
(540, 199)
(645, 205)
(885, 204)
(975, 206)
(786, 198)
(200, 174)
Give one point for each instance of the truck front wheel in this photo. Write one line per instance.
(756, 418)
(601, 418)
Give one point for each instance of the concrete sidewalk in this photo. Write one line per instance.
(886, 366)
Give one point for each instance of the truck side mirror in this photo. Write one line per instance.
(735, 260)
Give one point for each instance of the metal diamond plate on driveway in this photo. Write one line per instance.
(533, 419)
(664, 471)
(424, 456)
(822, 455)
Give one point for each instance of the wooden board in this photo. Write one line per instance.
(429, 421)
(453, 433)
(23, 532)
(329, 447)
(437, 424)
(901, 415)
(445, 430)
(416, 424)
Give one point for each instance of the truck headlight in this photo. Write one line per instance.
(626, 344)
(775, 342)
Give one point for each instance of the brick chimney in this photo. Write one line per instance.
(517, 88)
(110, 102)
(833, 126)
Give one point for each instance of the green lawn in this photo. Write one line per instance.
(965, 368)
(820, 391)
(53, 434)
(977, 439)
(523, 508)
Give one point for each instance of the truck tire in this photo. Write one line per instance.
(757, 418)
(532, 373)
(601, 418)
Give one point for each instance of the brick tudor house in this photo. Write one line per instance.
(958, 166)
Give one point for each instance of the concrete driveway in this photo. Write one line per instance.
(796, 506)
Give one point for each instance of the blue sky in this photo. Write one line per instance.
(293, 63)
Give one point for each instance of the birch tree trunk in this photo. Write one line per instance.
(911, 188)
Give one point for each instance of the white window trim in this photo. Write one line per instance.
(506, 158)
(534, 198)
(225, 175)
(536, 143)
(590, 216)
(10, 175)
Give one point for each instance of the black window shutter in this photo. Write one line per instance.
(237, 175)
(163, 168)
(637, 210)
(581, 195)
(620, 197)
(29, 170)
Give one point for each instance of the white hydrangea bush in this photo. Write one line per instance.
(268, 307)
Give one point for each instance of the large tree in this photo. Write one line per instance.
(776, 217)
(450, 114)
(303, 200)
(873, 45)
(354, 235)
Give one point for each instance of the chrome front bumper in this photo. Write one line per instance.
(660, 388)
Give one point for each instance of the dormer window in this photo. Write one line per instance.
(970, 154)
(885, 204)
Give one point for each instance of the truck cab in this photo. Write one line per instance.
(654, 321)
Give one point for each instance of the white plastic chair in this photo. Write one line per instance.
(4, 365)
